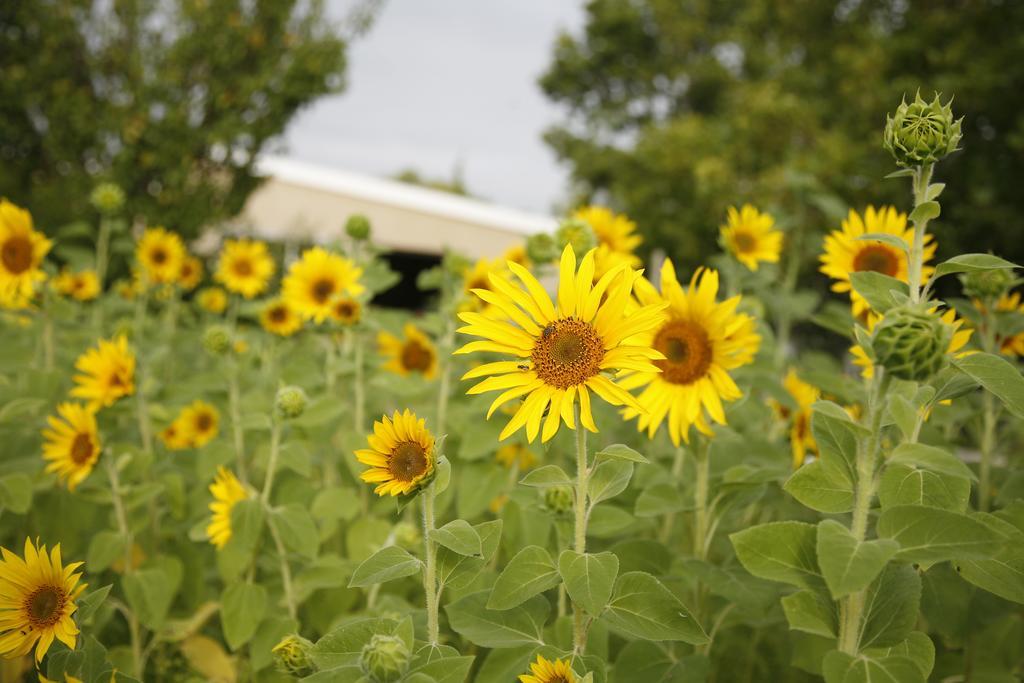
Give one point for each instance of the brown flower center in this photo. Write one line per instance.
(277, 314)
(415, 356)
(16, 254)
(44, 606)
(322, 290)
(408, 461)
(345, 310)
(243, 268)
(204, 422)
(81, 448)
(159, 256)
(568, 353)
(878, 258)
(744, 241)
(687, 352)
(478, 283)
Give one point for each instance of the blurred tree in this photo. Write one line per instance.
(171, 100)
(679, 108)
(455, 185)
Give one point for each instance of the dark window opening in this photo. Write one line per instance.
(405, 294)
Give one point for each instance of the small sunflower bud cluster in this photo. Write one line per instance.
(921, 132)
(987, 284)
(358, 227)
(384, 659)
(292, 656)
(217, 340)
(559, 499)
(541, 248)
(576, 232)
(290, 402)
(107, 198)
(911, 343)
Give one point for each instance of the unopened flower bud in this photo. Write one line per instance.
(108, 198)
(541, 248)
(292, 656)
(986, 284)
(217, 340)
(559, 498)
(290, 402)
(407, 535)
(385, 658)
(358, 227)
(921, 132)
(576, 232)
(910, 343)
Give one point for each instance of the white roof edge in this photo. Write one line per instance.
(403, 195)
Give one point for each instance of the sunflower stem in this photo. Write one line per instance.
(282, 556)
(237, 431)
(579, 632)
(275, 449)
(922, 177)
(48, 346)
(358, 418)
(444, 353)
(678, 461)
(989, 416)
(103, 251)
(430, 571)
(126, 534)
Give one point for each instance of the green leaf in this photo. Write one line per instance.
(242, 606)
(928, 535)
(658, 499)
(836, 436)
(588, 578)
(823, 489)
(387, 564)
(608, 479)
(925, 211)
(891, 606)
(521, 625)
(847, 564)
(904, 485)
(969, 263)
(1002, 574)
(443, 476)
(886, 238)
(88, 605)
(902, 173)
(934, 190)
(620, 451)
(458, 571)
(546, 476)
(877, 289)
(15, 492)
(444, 670)
(530, 572)
(246, 524)
(297, 529)
(998, 376)
(780, 551)
(840, 667)
(917, 646)
(149, 593)
(811, 612)
(930, 458)
(343, 645)
(458, 536)
(104, 548)
(642, 607)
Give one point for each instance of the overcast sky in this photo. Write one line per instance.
(444, 83)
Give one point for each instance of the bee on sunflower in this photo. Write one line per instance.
(413, 354)
(227, 492)
(700, 342)
(549, 671)
(107, 373)
(560, 354)
(245, 267)
(616, 238)
(160, 254)
(750, 236)
(37, 601)
(847, 251)
(72, 443)
(22, 250)
(82, 285)
(401, 455)
(277, 317)
(317, 279)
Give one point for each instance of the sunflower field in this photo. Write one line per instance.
(576, 468)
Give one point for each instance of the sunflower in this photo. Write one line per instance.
(957, 342)
(846, 253)
(702, 340)
(108, 373)
(37, 601)
(561, 352)
(72, 443)
(175, 436)
(1009, 344)
(751, 237)
(245, 267)
(347, 311)
(200, 421)
(277, 317)
(517, 254)
(415, 353)
(227, 491)
(401, 455)
(804, 395)
(518, 455)
(22, 250)
(616, 238)
(191, 273)
(212, 299)
(81, 286)
(545, 671)
(317, 279)
(477, 276)
(160, 254)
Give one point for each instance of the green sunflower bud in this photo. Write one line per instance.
(541, 248)
(910, 343)
(921, 132)
(987, 284)
(559, 499)
(385, 658)
(576, 232)
(454, 263)
(108, 198)
(217, 340)
(290, 402)
(292, 656)
(357, 227)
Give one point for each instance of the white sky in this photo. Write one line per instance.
(441, 83)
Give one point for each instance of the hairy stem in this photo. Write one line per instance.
(430, 571)
(126, 534)
(237, 432)
(286, 572)
(579, 632)
(922, 177)
(275, 449)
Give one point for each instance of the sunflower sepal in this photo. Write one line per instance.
(910, 342)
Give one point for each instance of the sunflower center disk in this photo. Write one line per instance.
(415, 357)
(322, 290)
(203, 422)
(877, 258)
(243, 268)
(687, 352)
(81, 448)
(278, 314)
(159, 256)
(16, 255)
(44, 606)
(744, 241)
(408, 461)
(568, 353)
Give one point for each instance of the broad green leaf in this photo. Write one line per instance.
(242, 606)
(297, 529)
(458, 571)
(642, 607)
(458, 536)
(823, 489)
(90, 602)
(840, 667)
(443, 477)
(548, 475)
(343, 645)
(934, 190)
(1003, 573)
(904, 485)
(891, 606)
(658, 499)
(387, 564)
(881, 291)
(588, 578)
(608, 479)
(780, 551)
(521, 625)
(149, 593)
(618, 451)
(811, 612)
(15, 492)
(886, 238)
(967, 263)
(104, 548)
(443, 670)
(925, 211)
(641, 661)
(847, 564)
(930, 458)
(929, 535)
(917, 646)
(904, 413)
(998, 376)
(246, 524)
(836, 436)
(530, 572)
